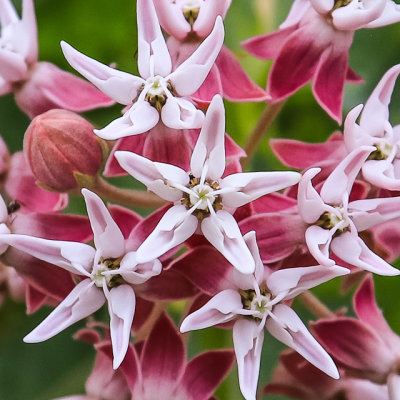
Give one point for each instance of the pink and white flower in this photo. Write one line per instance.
(254, 301)
(159, 91)
(202, 198)
(334, 221)
(109, 270)
(313, 44)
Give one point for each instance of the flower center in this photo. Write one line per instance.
(157, 92)
(341, 3)
(105, 265)
(329, 220)
(190, 10)
(258, 303)
(382, 152)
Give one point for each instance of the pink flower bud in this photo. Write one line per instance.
(62, 150)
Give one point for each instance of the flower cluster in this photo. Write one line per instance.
(236, 246)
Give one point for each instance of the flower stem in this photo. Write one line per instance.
(144, 331)
(263, 124)
(319, 309)
(128, 197)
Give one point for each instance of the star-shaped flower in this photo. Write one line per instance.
(202, 198)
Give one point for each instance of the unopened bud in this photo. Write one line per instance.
(62, 150)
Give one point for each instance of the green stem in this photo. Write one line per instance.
(263, 124)
(319, 309)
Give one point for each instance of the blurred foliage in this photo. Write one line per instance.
(106, 31)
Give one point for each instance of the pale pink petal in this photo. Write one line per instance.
(172, 19)
(121, 306)
(209, 11)
(211, 86)
(354, 135)
(339, 183)
(154, 175)
(352, 16)
(288, 328)
(248, 340)
(72, 256)
(293, 281)
(153, 55)
(125, 218)
(376, 110)
(367, 213)
(297, 11)
(210, 146)
(236, 84)
(390, 15)
(251, 240)
(108, 238)
(352, 249)
(12, 66)
(322, 6)
(310, 204)
(393, 383)
(221, 308)
(189, 76)
(135, 273)
(174, 228)
(180, 113)
(120, 86)
(367, 390)
(318, 241)
(138, 119)
(8, 15)
(3, 211)
(250, 186)
(382, 174)
(222, 231)
(85, 299)
(204, 373)
(30, 30)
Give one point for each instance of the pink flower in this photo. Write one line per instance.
(374, 129)
(334, 222)
(108, 271)
(38, 86)
(202, 199)
(313, 44)
(252, 302)
(158, 91)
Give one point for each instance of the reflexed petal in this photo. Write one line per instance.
(121, 306)
(156, 176)
(288, 328)
(180, 113)
(221, 308)
(340, 181)
(252, 185)
(173, 229)
(352, 249)
(294, 281)
(72, 256)
(153, 55)
(85, 299)
(210, 146)
(248, 341)
(318, 241)
(120, 86)
(222, 231)
(189, 76)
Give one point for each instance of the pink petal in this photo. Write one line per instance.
(179, 113)
(189, 76)
(153, 55)
(338, 184)
(222, 231)
(71, 256)
(296, 13)
(108, 238)
(163, 358)
(293, 281)
(120, 86)
(153, 175)
(121, 306)
(352, 249)
(174, 228)
(318, 241)
(248, 341)
(288, 328)
(210, 146)
(252, 185)
(236, 84)
(221, 308)
(84, 300)
(204, 373)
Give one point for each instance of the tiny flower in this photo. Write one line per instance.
(108, 272)
(334, 221)
(159, 91)
(202, 198)
(62, 150)
(254, 301)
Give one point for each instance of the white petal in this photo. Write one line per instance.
(318, 241)
(180, 113)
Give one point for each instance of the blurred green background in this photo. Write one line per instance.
(106, 31)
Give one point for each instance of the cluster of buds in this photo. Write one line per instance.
(236, 246)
